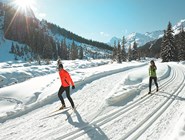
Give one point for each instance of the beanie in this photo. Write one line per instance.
(61, 66)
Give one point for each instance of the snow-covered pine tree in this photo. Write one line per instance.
(173, 51)
(26, 50)
(119, 59)
(181, 44)
(81, 53)
(38, 59)
(129, 53)
(65, 53)
(169, 51)
(163, 52)
(47, 50)
(114, 52)
(135, 51)
(59, 49)
(123, 52)
(183, 41)
(74, 51)
(12, 48)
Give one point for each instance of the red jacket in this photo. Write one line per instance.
(65, 78)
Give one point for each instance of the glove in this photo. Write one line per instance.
(73, 87)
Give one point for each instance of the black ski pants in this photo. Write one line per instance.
(150, 82)
(67, 90)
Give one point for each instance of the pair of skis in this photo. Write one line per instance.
(60, 110)
(70, 111)
(151, 93)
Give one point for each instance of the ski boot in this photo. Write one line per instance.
(62, 107)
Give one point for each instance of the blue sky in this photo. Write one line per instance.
(100, 20)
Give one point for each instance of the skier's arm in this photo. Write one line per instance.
(149, 71)
(71, 81)
(155, 67)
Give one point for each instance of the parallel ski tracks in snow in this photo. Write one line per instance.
(115, 114)
(143, 125)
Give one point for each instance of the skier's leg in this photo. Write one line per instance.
(156, 84)
(61, 90)
(69, 97)
(150, 84)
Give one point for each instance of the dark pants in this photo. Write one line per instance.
(150, 82)
(67, 90)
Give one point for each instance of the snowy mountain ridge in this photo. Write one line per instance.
(178, 26)
(142, 39)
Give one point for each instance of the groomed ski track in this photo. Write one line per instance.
(145, 117)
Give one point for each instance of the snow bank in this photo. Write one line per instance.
(16, 72)
(133, 83)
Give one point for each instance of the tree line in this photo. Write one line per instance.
(173, 47)
(169, 48)
(120, 54)
(62, 51)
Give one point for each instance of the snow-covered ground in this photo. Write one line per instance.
(111, 101)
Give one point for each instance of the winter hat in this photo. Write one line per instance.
(61, 66)
(152, 61)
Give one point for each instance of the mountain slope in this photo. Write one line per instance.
(41, 36)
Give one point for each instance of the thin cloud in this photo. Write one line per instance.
(104, 34)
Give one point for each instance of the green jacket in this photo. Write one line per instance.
(152, 71)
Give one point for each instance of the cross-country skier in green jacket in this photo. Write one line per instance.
(153, 76)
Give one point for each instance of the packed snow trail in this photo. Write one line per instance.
(137, 117)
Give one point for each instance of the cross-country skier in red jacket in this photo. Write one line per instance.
(66, 81)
